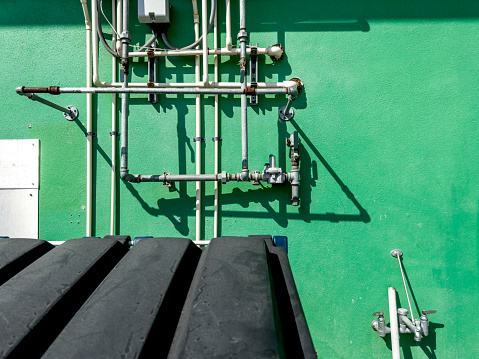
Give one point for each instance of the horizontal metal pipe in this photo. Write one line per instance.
(285, 84)
(174, 178)
(274, 51)
(193, 91)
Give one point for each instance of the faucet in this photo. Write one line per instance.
(406, 326)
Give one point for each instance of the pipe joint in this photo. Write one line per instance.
(243, 35)
(294, 177)
(125, 37)
(244, 175)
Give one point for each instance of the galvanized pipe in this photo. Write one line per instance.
(273, 51)
(198, 204)
(34, 97)
(243, 37)
(190, 91)
(125, 40)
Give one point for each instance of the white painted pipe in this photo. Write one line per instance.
(219, 85)
(274, 51)
(393, 320)
(217, 134)
(198, 124)
(229, 39)
(204, 23)
(89, 125)
(119, 23)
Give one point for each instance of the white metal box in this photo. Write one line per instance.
(154, 11)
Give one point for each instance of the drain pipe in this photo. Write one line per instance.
(216, 139)
(198, 122)
(89, 126)
(125, 40)
(243, 37)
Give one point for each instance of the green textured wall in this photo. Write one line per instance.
(389, 127)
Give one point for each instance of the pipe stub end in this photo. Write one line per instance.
(73, 115)
(396, 252)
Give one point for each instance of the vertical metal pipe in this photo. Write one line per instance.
(393, 319)
(89, 129)
(124, 96)
(113, 126)
(217, 131)
(243, 37)
(198, 125)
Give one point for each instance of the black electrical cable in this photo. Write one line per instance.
(197, 42)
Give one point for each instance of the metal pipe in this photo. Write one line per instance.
(114, 131)
(397, 253)
(284, 84)
(243, 37)
(191, 91)
(89, 137)
(198, 204)
(37, 98)
(125, 40)
(217, 134)
(393, 319)
(274, 51)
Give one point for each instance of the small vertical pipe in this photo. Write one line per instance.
(113, 126)
(198, 125)
(217, 131)
(243, 37)
(393, 319)
(124, 96)
(89, 128)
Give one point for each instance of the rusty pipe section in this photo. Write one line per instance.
(52, 90)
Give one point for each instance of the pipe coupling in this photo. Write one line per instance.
(243, 35)
(125, 37)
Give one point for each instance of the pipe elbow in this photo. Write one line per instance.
(97, 82)
(126, 176)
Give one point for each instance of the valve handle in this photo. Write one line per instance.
(426, 312)
(380, 313)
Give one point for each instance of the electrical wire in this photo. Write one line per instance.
(102, 37)
(197, 42)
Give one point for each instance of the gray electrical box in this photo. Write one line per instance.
(154, 11)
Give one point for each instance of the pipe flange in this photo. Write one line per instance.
(396, 252)
(73, 115)
(299, 82)
(286, 116)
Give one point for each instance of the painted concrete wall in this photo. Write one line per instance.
(389, 127)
